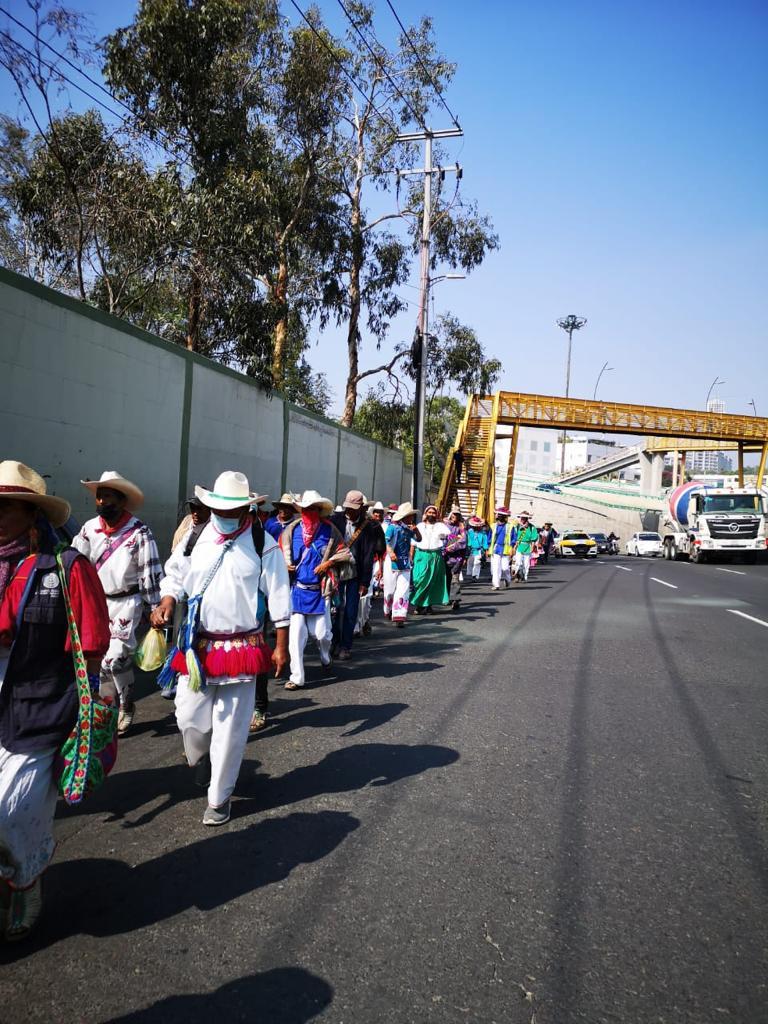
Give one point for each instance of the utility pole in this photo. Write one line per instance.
(569, 324)
(421, 341)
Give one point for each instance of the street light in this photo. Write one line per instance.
(712, 386)
(420, 351)
(606, 369)
(569, 324)
(754, 407)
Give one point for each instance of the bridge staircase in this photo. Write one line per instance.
(475, 440)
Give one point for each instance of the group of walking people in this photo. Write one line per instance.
(237, 599)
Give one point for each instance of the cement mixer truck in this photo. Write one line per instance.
(702, 521)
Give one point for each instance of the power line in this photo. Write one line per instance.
(84, 74)
(417, 118)
(425, 69)
(385, 120)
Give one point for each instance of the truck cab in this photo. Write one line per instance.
(705, 520)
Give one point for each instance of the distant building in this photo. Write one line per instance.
(582, 451)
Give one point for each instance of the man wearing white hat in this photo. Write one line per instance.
(312, 546)
(397, 563)
(227, 580)
(502, 547)
(124, 553)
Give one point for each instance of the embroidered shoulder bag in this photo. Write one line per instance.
(90, 751)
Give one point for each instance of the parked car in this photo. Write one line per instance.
(551, 488)
(644, 544)
(603, 544)
(575, 543)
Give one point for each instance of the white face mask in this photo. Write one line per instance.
(223, 525)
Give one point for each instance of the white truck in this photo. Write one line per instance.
(701, 521)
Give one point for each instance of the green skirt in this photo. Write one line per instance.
(429, 581)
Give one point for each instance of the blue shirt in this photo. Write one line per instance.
(275, 527)
(306, 559)
(398, 537)
(477, 540)
(498, 537)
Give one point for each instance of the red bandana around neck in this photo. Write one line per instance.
(118, 525)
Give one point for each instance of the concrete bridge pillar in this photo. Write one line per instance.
(651, 467)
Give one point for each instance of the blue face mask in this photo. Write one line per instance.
(223, 525)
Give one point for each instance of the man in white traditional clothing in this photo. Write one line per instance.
(232, 571)
(124, 553)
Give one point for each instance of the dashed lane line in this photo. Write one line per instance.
(760, 622)
(623, 568)
(663, 582)
(736, 572)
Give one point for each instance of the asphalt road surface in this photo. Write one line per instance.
(550, 807)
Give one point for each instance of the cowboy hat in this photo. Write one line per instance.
(502, 510)
(20, 483)
(309, 499)
(286, 499)
(230, 490)
(403, 511)
(524, 515)
(355, 499)
(378, 507)
(110, 478)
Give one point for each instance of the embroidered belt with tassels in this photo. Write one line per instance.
(238, 654)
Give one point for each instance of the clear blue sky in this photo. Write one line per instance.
(621, 150)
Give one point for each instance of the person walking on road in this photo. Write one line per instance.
(397, 563)
(547, 537)
(234, 569)
(478, 540)
(363, 624)
(38, 697)
(455, 554)
(365, 539)
(312, 546)
(527, 537)
(501, 548)
(123, 551)
(195, 519)
(428, 575)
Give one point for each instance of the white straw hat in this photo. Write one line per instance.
(111, 478)
(230, 490)
(404, 510)
(311, 498)
(20, 483)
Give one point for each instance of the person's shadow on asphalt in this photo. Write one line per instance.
(289, 995)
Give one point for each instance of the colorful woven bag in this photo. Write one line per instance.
(90, 751)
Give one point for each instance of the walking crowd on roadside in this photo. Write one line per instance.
(234, 604)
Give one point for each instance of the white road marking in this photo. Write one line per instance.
(735, 572)
(760, 622)
(623, 568)
(663, 582)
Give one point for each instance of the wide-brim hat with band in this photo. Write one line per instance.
(403, 511)
(524, 515)
(378, 507)
(111, 478)
(502, 510)
(475, 521)
(20, 483)
(230, 490)
(355, 500)
(311, 499)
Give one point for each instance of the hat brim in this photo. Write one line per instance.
(56, 510)
(134, 496)
(221, 503)
(325, 506)
(398, 518)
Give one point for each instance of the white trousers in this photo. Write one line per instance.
(500, 570)
(474, 565)
(397, 591)
(301, 627)
(125, 614)
(522, 563)
(27, 806)
(216, 721)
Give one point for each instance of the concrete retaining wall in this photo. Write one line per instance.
(83, 391)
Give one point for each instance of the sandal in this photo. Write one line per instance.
(23, 911)
(258, 722)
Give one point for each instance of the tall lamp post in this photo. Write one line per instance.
(569, 324)
(606, 369)
(712, 387)
(420, 355)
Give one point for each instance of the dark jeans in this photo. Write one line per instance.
(262, 693)
(346, 614)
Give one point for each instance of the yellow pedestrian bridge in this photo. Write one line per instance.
(489, 417)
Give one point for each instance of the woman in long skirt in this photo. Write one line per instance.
(428, 575)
